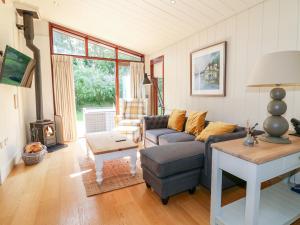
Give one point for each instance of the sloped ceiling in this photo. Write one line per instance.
(141, 25)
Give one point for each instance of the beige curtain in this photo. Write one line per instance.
(64, 95)
(136, 79)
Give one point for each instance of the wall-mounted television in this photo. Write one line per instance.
(17, 68)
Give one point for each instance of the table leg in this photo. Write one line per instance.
(133, 159)
(252, 201)
(87, 150)
(216, 188)
(99, 169)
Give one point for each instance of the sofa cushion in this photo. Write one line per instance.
(172, 159)
(177, 120)
(215, 128)
(154, 134)
(175, 137)
(195, 123)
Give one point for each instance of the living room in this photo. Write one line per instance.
(143, 105)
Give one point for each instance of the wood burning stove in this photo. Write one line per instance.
(44, 132)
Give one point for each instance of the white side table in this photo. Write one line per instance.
(276, 205)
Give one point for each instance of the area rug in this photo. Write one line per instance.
(116, 175)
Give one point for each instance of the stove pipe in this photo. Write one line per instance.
(29, 37)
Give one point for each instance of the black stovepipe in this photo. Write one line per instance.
(29, 37)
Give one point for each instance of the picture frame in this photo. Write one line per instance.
(208, 71)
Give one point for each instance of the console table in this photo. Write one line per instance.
(276, 205)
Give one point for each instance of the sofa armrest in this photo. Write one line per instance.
(225, 137)
(155, 122)
(219, 138)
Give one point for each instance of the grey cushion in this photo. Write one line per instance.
(175, 137)
(154, 134)
(175, 158)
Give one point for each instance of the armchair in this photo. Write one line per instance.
(132, 112)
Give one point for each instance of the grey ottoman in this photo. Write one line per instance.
(174, 168)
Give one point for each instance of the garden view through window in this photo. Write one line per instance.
(94, 84)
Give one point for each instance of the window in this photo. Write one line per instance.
(94, 84)
(102, 51)
(89, 73)
(128, 56)
(64, 43)
(124, 81)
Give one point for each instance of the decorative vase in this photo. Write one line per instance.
(249, 140)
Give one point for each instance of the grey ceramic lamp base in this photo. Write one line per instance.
(276, 140)
(276, 125)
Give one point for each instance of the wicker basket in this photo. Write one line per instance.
(34, 158)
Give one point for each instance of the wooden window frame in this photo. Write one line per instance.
(87, 38)
(154, 101)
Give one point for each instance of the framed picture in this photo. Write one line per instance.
(208, 71)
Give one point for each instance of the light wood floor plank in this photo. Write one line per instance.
(52, 193)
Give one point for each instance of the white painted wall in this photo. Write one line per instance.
(14, 123)
(273, 25)
(11, 119)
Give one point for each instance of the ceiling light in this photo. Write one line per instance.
(173, 1)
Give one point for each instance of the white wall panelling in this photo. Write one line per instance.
(273, 25)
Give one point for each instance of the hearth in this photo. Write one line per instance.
(44, 132)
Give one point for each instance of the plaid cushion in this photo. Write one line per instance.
(134, 109)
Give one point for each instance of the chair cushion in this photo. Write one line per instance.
(175, 137)
(154, 134)
(167, 160)
(133, 108)
(130, 122)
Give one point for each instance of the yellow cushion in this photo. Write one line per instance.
(215, 128)
(177, 119)
(195, 123)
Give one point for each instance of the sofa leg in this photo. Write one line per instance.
(165, 200)
(148, 185)
(192, 190)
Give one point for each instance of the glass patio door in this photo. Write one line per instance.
(94, 88)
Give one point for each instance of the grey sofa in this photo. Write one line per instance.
(174, 162)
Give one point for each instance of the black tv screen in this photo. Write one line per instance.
(17, 68)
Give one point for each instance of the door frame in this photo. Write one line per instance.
(154, 96)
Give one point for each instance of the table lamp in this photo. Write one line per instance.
(278, 69)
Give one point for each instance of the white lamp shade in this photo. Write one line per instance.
(278, 68)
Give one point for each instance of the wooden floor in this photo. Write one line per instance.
(51, 193)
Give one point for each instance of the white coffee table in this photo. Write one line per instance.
(129, 131)
(106, 146)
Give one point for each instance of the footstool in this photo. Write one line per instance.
(169, 170)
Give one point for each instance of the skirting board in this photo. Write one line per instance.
(7, 168)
